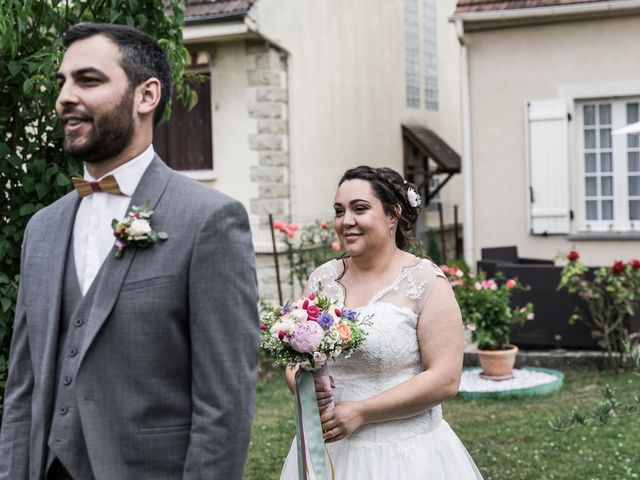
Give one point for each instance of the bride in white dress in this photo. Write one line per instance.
(387, 422)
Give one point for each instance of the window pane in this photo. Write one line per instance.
(632, 113)
(607, 209)
(605, 114)
(589, 139)
(590, 162)
(634, 209)
(634, 186)
(605, 138)
(589, 115)
(591, 186)
(632, 140)
(634, 161)
(592, 210)
(606, 185)
(605, 162)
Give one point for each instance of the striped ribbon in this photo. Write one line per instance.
(309, 430)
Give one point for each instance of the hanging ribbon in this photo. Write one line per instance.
(309, 430)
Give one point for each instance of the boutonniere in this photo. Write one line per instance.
(135, 229)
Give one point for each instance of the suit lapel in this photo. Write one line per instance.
(114, 270)
(60, 228)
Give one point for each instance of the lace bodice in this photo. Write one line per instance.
(390, 354)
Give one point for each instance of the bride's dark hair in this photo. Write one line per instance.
(392, 190)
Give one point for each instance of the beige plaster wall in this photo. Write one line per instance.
(347, 90)
(231, 123)
(509, 67)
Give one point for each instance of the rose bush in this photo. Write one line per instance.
(307, 247)
(611, 295)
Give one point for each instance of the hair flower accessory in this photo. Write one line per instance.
(414, 198)
(135, 229)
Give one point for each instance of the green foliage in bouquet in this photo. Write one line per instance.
(484, 304)
(611, 294)
(34, 172)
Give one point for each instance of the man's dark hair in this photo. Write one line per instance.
(142, 57)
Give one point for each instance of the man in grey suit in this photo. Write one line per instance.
(141, 366)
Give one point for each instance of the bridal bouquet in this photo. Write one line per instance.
(310, 331)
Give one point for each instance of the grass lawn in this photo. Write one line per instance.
(508, 439)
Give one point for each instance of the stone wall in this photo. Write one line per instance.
(268, 109)
(268, 112)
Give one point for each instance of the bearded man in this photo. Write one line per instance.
(134, 351)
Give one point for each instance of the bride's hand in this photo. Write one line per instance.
(324, 393)
(341, 421)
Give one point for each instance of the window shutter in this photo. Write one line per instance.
(548, 156)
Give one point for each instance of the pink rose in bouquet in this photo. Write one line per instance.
(307, 337)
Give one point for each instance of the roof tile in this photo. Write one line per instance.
(199, 10)
(466, 6)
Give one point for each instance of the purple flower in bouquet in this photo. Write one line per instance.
(286, 309)
(325, 320)
(307, 337)
(349, 314)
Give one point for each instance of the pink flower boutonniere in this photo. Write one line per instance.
(135, 229)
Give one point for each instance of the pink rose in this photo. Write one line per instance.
(312, 296)
(313, 311)
(307, 337)
(335, 246)
(531, 316)
(511, 283)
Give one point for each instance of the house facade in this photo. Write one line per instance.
(297, 91)
(545, 86)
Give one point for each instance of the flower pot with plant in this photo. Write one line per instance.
(488, 317)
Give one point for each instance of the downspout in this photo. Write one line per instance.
(467, 165)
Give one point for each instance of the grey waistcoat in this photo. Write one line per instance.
(66, 440)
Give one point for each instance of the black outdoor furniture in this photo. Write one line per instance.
(552, 308)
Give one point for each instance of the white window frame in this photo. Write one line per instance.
(606, 92)
(620, 221)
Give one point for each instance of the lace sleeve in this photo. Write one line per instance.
(431, 273)
(324, 278)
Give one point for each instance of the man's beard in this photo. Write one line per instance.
(109, 135)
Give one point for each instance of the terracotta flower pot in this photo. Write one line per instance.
(498, 364)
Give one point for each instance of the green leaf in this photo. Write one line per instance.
(42, 189)
(14, 68)
(6, 304)
(62, 180)
(27, 209)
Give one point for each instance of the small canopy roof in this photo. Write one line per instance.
(432, 146)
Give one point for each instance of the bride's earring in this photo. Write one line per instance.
(391, 230)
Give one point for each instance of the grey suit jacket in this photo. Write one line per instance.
(167, 371)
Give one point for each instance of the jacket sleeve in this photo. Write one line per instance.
(16, 420)
(224, 330)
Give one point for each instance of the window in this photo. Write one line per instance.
(608, 166)
(412, 53)
(421, 56)
(430, 54)
(185, 142)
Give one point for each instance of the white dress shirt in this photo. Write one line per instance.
(92, 233)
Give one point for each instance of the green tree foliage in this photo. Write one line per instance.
(33, 170)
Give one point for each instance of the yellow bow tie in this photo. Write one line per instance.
(107, 184)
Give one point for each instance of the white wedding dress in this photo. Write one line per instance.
(422, 447)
